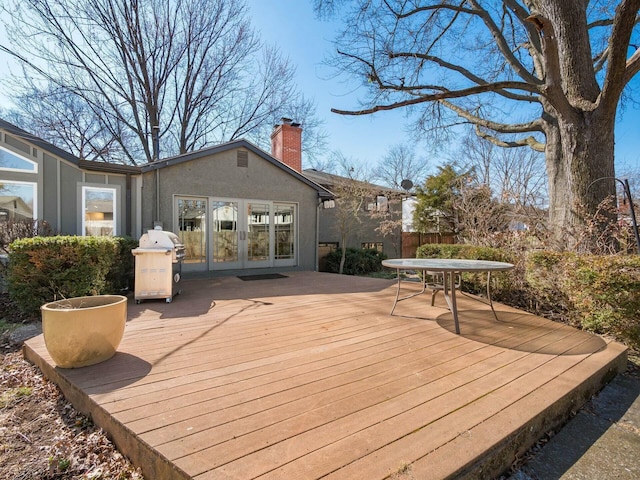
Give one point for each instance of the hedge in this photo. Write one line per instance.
(505, 285)
(602, 293)
(357, 261)
(44, 269)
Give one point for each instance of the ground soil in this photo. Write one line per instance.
(41, 435)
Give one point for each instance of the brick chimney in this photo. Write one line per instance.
(286, 143)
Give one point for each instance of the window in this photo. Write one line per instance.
(99, 207)
(15, 163)
(381, 204)
(373, 246)
(17, 201)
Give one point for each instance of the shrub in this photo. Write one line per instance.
(545, 275)
(471, 252)
(605, 294)
(599, 293)
(120, 277)
(357, 261)
(44, 269)
(505, 284)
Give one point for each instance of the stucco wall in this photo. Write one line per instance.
(219, 175)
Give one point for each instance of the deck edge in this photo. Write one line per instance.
(150, 461)
(498, 459)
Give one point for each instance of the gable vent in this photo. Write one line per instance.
(243, 158)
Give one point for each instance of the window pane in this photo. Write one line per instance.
(285, 231)
(224, 216)
(16, 201)
(99, 211)
(192, 219)
(373, 246)
(258, 234)
(11, 161)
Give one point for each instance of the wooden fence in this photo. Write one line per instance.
(412, 240)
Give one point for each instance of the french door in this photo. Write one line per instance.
(240, 234)
(251, 234)
(233, 233)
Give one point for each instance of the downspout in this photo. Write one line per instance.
(156, 156)
(157, 213)
(127, 207)
(317, 259)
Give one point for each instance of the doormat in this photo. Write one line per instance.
(264, 276)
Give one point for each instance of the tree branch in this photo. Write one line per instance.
(471, 76)
(552, 89)
(533, 46)
(533, 126)
(465, 92)
(632, 67)
(620, 69)
(503, 46)
(529, 141)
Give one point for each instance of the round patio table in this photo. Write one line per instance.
(449, 268)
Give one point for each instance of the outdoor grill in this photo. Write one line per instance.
(158, 265)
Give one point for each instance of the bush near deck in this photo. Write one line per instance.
(358, 261)
(599, 293)
(44, 269)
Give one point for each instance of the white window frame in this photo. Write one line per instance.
(114, 192)
(35, 194)
(22, 170)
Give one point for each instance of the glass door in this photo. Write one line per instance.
(258, 235)
(227, 234)
(248, 234)
(192, 228)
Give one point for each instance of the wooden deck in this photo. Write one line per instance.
(309, 376)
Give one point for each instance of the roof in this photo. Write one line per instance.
(329, 180)
(323, 192)
(43, 144)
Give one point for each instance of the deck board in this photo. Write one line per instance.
(309, 376)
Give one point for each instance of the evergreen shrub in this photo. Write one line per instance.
(357, 261)
(44, 269)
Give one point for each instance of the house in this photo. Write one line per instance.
(234, 206)
(377, 206)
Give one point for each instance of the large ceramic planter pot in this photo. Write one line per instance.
(83, 331)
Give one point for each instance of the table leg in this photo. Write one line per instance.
(489, 296)
(449, 279)
(395, 302)
(424, 287)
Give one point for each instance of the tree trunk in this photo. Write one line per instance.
(579, 126)
(580, 168)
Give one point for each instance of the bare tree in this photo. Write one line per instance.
(170, 75)
(352, 192)
(66, 121)
(543, 74)
(480, 217)
(515, 176)
(401, 163)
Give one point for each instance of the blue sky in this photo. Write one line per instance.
(292, 26)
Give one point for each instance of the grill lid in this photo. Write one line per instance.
(160, 239)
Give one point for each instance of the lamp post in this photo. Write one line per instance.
(627, 192)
